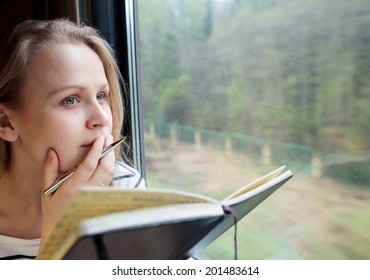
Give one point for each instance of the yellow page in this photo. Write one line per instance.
(256, 183)
(95, 201)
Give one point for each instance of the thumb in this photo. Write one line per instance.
(50, 169)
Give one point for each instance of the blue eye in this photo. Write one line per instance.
(69, 100)
(101, 96)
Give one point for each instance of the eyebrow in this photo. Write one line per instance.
(65, 88)
(69, 87)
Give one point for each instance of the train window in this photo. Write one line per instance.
(232, 89)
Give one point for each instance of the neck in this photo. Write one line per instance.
(20, 192)
(25, 175)
(25, 183)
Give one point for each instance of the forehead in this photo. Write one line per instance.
(64, 63)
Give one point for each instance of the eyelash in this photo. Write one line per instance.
(102, 95)
(69, 98)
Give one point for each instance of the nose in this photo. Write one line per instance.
(98, 115)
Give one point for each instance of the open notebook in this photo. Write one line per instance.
(113, 223)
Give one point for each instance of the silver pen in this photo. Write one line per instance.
(64, 177)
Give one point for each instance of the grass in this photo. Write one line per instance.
(309, 218)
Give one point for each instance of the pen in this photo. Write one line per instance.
(65, 176)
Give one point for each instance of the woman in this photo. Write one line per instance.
(60, 106)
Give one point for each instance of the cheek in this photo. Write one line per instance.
(61, 133)
(109, 118)
(62, 136)
(111, 124)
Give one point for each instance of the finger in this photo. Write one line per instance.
(87, 167)
(108, 141)
(105, 170)
(50, 169)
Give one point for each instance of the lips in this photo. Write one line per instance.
(87, 145)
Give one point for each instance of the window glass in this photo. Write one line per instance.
(233, 89)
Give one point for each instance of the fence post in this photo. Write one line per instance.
(151, 131)
(266, 154)
(173, 135)
(316, 165)
(198, 139)
(228, 145)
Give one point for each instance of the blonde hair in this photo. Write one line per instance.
(22, 45)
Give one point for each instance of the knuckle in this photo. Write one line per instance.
(69, 192)
(107, 169)
(89, 166)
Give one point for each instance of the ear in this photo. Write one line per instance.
(7, 131)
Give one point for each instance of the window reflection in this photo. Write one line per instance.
(232, 89)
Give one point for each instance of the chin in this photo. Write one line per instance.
(72, 159)
(64, 168)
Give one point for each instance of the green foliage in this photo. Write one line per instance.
(282, 69)
(175, 101)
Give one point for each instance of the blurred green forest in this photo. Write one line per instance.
(283, 70)
(294, 74)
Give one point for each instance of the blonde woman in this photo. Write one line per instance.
(60, 106)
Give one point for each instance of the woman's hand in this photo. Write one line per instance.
(91, 171)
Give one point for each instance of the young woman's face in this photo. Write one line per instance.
(66, 106)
